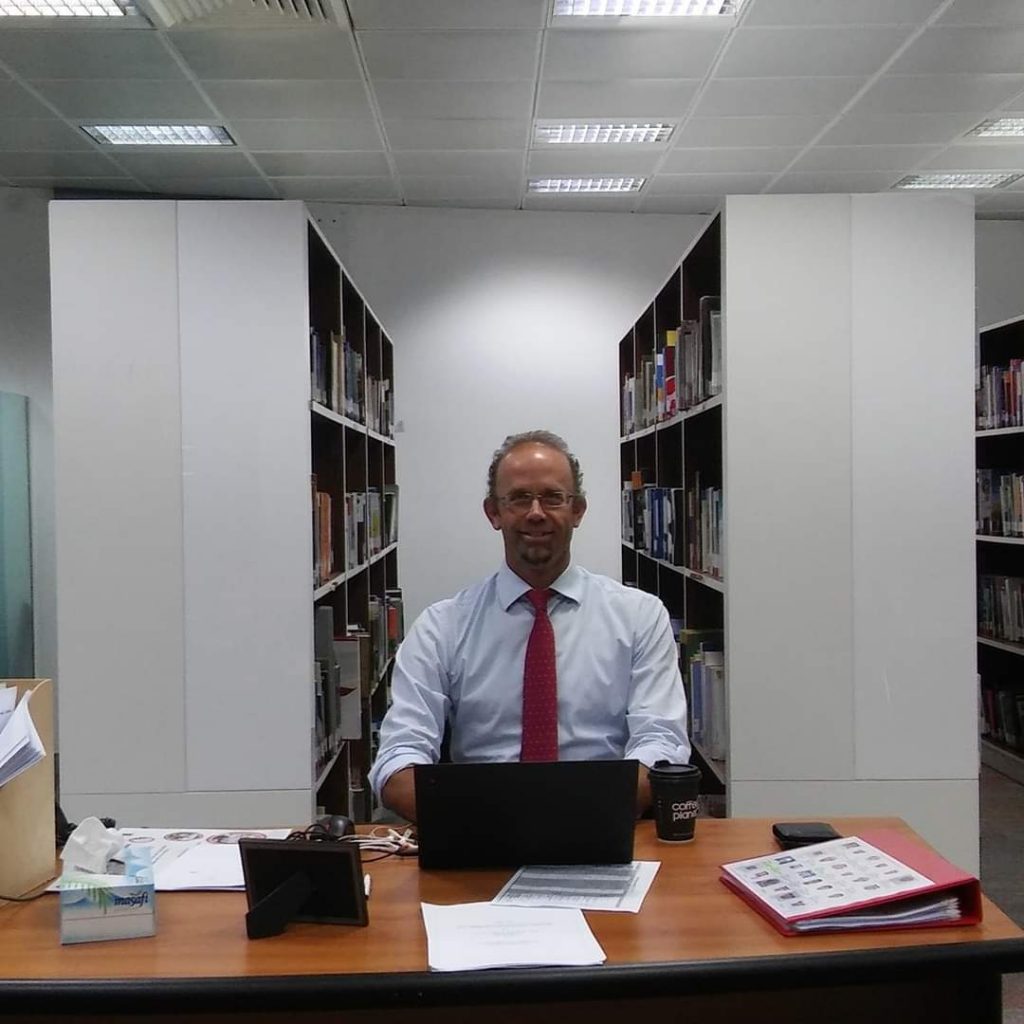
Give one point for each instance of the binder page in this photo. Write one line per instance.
(826, 876)
(585, 886)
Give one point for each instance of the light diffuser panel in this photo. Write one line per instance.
(964, 179)
(999, 128)
(159, 134)
(541, 185)
(644, 8)
(583, 134)
(60, 9)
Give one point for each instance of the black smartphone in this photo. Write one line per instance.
(792, 834)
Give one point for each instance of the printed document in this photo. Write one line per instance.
(471, 936)
(583, 886)
(20, 746)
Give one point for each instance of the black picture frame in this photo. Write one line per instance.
(301, 880)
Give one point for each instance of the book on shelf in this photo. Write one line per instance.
(705, 678)
(1002, 715)
(671, 397)
(390, 498)
(999, 399)
(1001, 607)
(879, 879)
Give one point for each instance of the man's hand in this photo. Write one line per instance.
(643, 791)
(399, 794)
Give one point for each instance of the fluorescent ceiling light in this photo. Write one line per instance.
(575, 134)
(585, 184)
(958, 179)
(63, 9)
(1000, 128)
(159, 134)
(644, 8)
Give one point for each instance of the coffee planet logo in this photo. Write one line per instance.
(684, 809)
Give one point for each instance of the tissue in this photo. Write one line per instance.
(90, 846)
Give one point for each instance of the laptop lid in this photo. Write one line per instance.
(514, 813)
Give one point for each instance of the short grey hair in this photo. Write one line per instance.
(544, 437)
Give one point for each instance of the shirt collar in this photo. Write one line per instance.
(512, 587)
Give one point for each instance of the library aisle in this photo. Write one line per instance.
(1002, 841)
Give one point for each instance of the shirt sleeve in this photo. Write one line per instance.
(656, 713)
(413, 727)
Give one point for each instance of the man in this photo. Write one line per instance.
(613, 672)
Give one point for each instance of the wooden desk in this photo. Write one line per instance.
(694, 949)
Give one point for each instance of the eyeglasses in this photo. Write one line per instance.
(522, 501)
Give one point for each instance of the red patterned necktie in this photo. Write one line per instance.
(540, 686)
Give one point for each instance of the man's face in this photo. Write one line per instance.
(537, 538)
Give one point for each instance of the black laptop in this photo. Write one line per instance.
(486, 815)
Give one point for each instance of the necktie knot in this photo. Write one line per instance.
(539, 600)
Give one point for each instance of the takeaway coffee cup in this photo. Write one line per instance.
(674, 789)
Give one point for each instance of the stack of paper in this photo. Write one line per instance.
(20, 746)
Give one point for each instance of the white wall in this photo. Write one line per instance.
(25, 370)
(502, 321)
(999, 270)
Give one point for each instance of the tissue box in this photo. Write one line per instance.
(106, 910)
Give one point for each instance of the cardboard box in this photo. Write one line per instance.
(28, 850)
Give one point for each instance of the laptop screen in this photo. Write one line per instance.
(515, 813)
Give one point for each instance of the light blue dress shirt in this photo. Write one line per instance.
(619, 689)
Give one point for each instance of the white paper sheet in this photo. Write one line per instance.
(20, 746)
(471, 936)
(583, 886)
(197, 858)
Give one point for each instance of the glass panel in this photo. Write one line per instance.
(16, 647)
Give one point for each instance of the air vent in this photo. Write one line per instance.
(239, 13)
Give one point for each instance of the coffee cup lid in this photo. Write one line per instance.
(667, 769)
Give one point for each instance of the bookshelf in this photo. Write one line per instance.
(999, 479)
(846, 554)
(671, 467)
(226, 514)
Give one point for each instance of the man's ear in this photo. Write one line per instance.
(492, 513)
(579, 507)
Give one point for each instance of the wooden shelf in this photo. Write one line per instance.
(991, 539)
(1002, 759)
(999, 431)
(1002, 645)
(698, 577)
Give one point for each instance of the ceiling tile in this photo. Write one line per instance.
(749, 131)
(839, 12)
(580, 202)
(964, 50)
(87, 54)
(828, 181)
(680, 204)
(227, 188)
(324, 165)
(644, 98)
(984, 12)
(18, 102)
(459, 56)
(708, 184)
(117, 102)
(592, 161)
(272, 99)
(38, 135)
(863, 158)
(340, 189)
(409, 14)
(938, 94)
(424, 187)
(728, 161)
(991, 156)
(471, 163)
(756, 96)
(64, 181)
(831, 52)
(415, 99)
(290, 135)
(469, 202)
(225, 163)
(1012, 106)
(579, 55)
(869, 130)
(47, 165)
(324, 52)
(449, 133)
